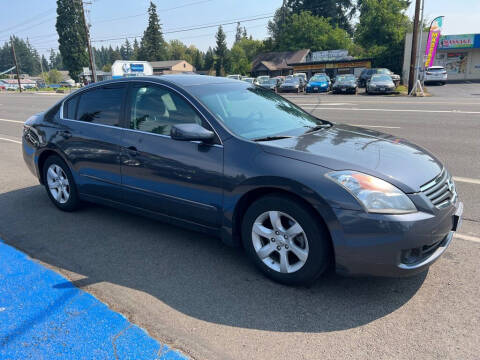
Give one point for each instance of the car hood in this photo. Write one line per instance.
(344, 147)
(318, 83)
(382, 83)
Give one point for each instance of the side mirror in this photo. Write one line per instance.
(191, 132)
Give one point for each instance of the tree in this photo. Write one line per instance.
(127, 50)
(209, 60)
(220, 52)
(196, 57)
(114, 55)
(238, 34)
(72, 37)
(152, 45)
(55, 59)
(177, 51)
(339, 12)
(45, 65)
(135, 50)
(54, 76)
(240, 63)
(306, 31)
(381, 31)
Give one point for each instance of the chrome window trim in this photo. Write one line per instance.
(141, 131)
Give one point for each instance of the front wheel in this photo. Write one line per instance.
(285, 241)
(59, 184)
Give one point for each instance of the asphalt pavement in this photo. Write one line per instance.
(197, 295)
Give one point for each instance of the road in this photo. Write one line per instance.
(197, 295)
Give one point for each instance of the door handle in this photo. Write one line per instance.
(132, 151)
(65, 133)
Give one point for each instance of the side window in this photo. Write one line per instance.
(155, 109)
(101, 105)
(70, 107)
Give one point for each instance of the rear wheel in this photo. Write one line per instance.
(285, 241)
(59, 184)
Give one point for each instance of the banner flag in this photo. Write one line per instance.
(433, 40)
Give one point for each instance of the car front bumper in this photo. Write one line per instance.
(392, 245)
(316, 89)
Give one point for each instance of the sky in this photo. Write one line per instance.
(113, 19)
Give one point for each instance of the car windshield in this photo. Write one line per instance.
(383, 71)
(318, 78)
(292, 81)
(381, 78)
(254, 112)
(345, 78)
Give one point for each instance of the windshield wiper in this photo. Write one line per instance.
(271, 138)
(318, 127)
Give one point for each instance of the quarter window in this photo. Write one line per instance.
(101, 105)
(155, 110)
(70, 107)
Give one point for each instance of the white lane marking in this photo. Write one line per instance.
(14, 141)
(326, 104)
(377, 126)
(14, 121)
(466, 180)
(398, 110)
(468, 237)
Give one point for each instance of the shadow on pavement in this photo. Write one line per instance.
(190, 272)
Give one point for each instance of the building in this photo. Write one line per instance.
(459, 54)
(13, 83)
(171, 67)
(331, 62)
(277, 63)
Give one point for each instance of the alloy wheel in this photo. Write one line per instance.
(58, 184)
(280, 242)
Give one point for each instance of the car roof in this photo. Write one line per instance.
(181, 80)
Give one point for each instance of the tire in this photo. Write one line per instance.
(61, 176)
(311, 241)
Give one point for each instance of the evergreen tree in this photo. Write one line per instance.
(128, 50)
(45, 65)
(152, 45)
(114, 55)
(135, 50)
(72, 37)
(220, 52)
(238, 34)
(209, 60)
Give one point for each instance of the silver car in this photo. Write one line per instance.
(380, 84)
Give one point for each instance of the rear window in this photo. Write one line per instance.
(436, 70)
(101, 105)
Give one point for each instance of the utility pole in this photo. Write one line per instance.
(16, 65)
(413, 56)
(90, 53)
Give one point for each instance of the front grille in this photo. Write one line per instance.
(441, 190)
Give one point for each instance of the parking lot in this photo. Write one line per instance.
(197, 295)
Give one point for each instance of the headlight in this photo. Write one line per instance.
(376, 195)
(309, 85)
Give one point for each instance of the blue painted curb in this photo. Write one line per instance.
(44, 316)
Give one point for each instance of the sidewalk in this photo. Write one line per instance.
(44, 316)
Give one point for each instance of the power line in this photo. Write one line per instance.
(28, 20)
(187, 29)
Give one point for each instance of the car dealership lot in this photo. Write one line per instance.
(196, 294)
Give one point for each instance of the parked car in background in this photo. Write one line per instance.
(249, 80)
(235, 77)
(318, 83)
(2, 87)
(327, 76)
(259, 78)
(380, 84)
(294, 84)
(345, 84)
(366, 74)
(436, 74)
(271, 84)
(237, 161)
(302, 75)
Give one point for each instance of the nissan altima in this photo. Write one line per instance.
(237, 161)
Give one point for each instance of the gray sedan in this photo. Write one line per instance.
(380, 84)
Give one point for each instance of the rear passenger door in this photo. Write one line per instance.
(182, 179)
(90, 138)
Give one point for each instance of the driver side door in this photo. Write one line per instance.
(182, 179)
